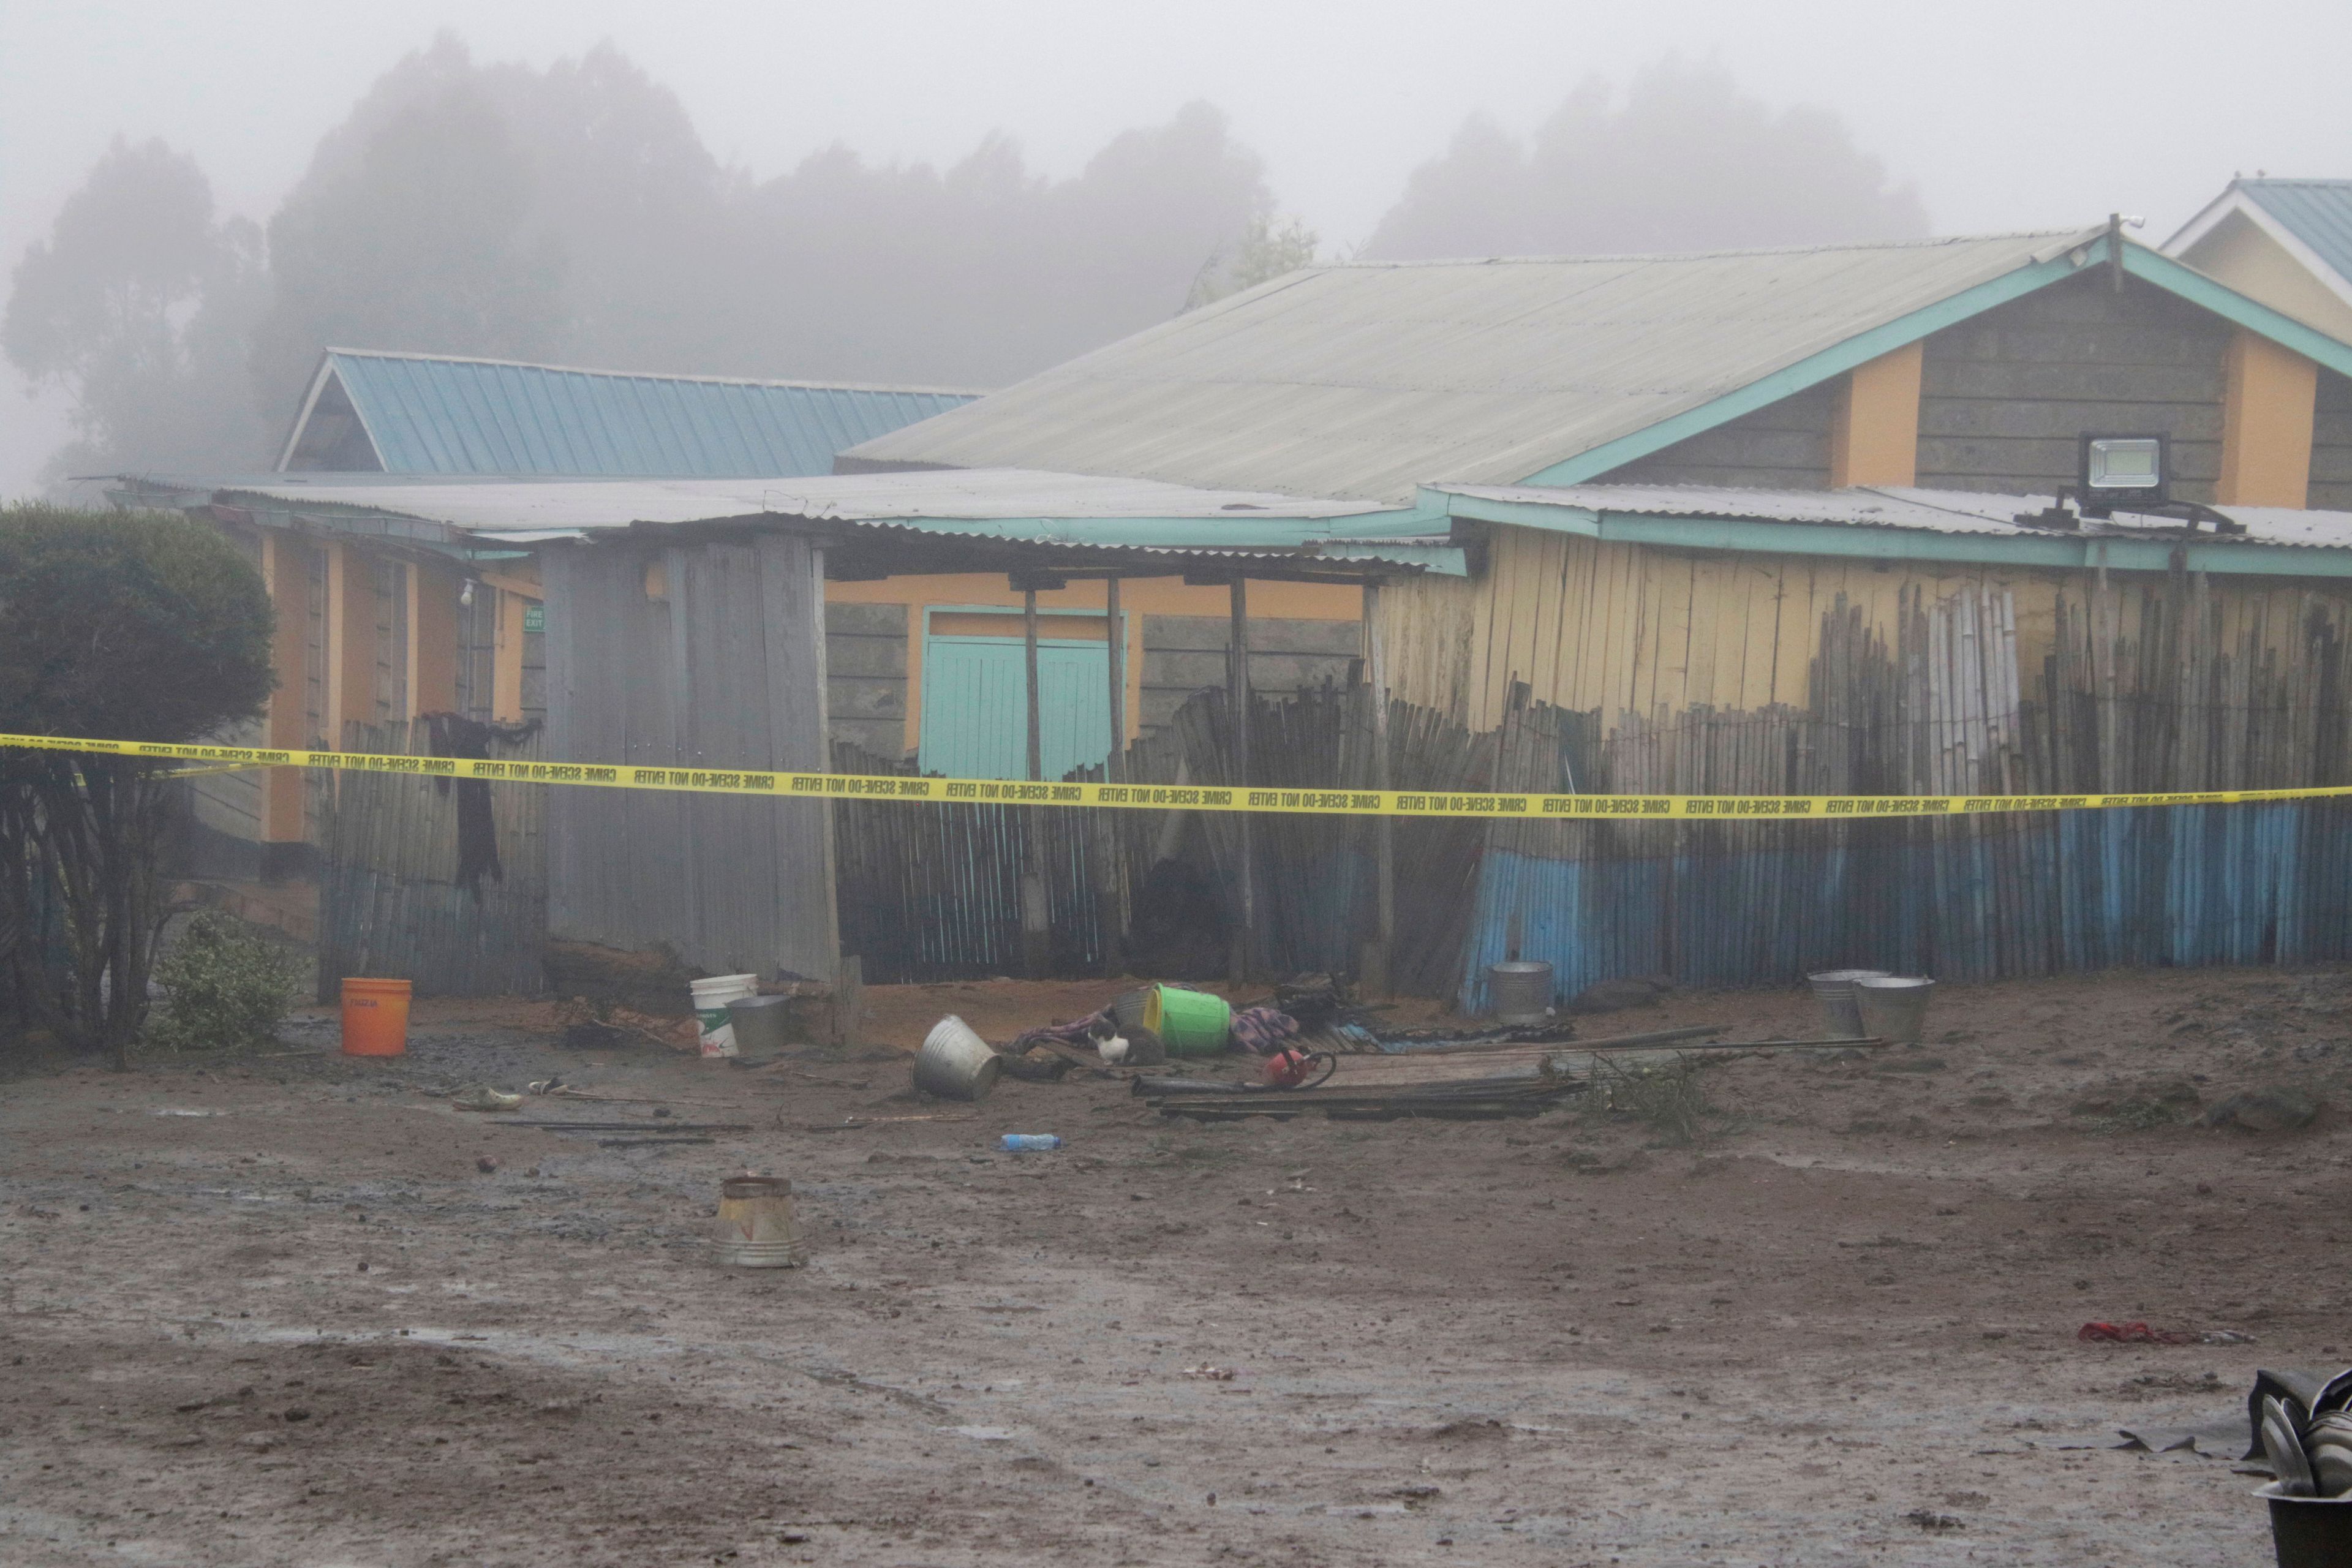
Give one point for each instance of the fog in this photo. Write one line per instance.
(194, 199)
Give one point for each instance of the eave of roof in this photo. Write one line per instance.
(1905, 524)
(1005, 506)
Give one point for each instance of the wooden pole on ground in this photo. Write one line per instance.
(1036, 933)
(1237, 714)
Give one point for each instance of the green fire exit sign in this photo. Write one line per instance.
(534, 617)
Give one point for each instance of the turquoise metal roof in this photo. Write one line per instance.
(428, 414)
(2317, 212)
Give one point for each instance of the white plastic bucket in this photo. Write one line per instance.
(710, 999)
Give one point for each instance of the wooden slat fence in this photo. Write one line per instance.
(389, 901)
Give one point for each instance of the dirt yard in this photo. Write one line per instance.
(272, 1310)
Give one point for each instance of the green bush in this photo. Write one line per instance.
(225, 988)
(119, 625)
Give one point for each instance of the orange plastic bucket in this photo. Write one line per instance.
(376, 1017)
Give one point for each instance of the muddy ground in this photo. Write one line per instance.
(271, 1311)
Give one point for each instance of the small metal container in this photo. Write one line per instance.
(1522, 992)
(757, 1227)
(1894, 1007)
(762, 1024)
(955, 1063)
(1833, 989)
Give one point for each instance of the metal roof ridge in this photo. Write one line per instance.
(660, 374)
(1931, 242)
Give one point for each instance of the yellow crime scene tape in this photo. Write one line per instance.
(901, 788)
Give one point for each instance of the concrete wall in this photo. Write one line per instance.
(2331, 444)
(2005, 396)
(865, 674)
(1183, 653)
(1783, 446)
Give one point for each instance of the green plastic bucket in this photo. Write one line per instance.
(1190, 1022)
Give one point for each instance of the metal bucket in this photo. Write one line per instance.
(955, 1062)
(2309, 1531)
(1893, 1007)
(762, 1024)
(1833, 989)
(756, 1228)
(1522, 992)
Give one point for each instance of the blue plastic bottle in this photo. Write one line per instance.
(1031, 1143)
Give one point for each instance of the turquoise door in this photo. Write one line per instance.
(976, 707)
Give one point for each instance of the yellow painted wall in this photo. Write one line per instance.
(2258, 266)
(1874, 423)
(1138, 597)
(1654, 632)
(2266, 424)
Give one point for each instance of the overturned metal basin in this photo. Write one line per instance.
(955, 1063)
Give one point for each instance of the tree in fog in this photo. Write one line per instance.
(1685, 161)
(1265, 251)
(418, 225)
(138, 307)
(985, 272)
(575, 214)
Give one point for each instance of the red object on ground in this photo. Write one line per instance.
(1288, 1067)
(2134, 1334)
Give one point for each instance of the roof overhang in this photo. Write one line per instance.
(1906, 525)
(878, 524)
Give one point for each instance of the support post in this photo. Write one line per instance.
(1111, 827)
(1237, 717)
(1115, 635)
(1373, 977)
(286, 571)
(1036, 946)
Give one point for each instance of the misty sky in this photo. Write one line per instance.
(2001, 114)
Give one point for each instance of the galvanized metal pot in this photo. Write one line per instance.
(955, 1062)
(757, 1227)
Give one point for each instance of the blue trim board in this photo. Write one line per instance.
(1811, 370)
(2165, 273)
(2193, 286)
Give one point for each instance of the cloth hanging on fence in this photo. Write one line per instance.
(455, 735)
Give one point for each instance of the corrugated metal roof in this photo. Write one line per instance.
(995, 503)
(2317, 212)
(1934, 512)
(432, 415)
(1366, 379)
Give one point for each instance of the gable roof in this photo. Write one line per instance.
(1364, 379)
(432, 414)
(2311, 220)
